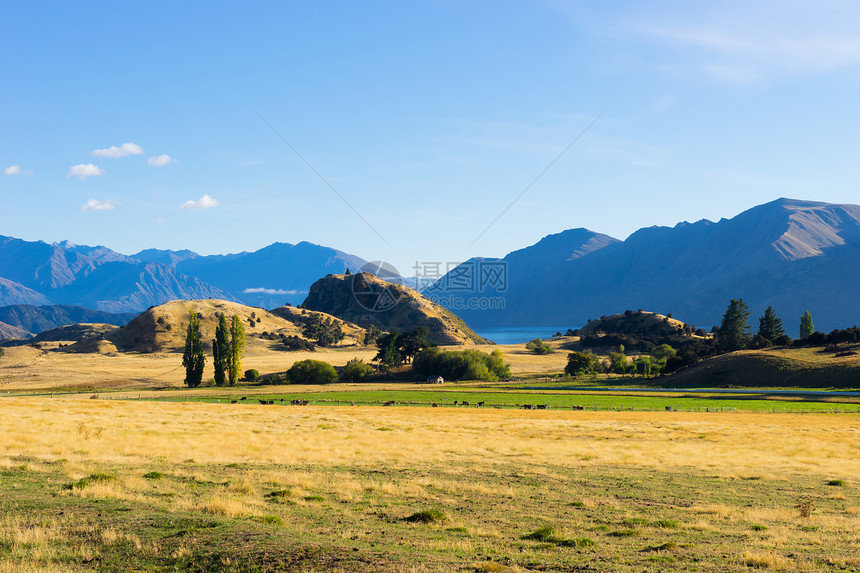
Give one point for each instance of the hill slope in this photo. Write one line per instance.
(793, 367)
(163, 328)
(366, 300)
(9, 332)
(793, 255)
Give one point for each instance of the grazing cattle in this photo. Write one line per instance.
(578, 407)
(527, 406)
(389, 403)
(479, 404)
(243, 398)
(435, 405)
(542, 407)
(668, 408)
(234, 401)
(464, 403)
(455, 402)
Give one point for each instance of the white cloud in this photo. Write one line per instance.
(160, 160)
(117, 152)
(263, 290)
(205, 202)
(85, 170)
(13, 170)
(94, 205)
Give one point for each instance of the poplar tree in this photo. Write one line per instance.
(221, 353)
(193, 358)
(806, 328)
(237, 348)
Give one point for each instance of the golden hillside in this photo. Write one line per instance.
(163, 327)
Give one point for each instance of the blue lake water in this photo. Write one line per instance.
(517, 334)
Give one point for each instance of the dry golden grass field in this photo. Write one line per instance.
(24, 368)
(92, 485)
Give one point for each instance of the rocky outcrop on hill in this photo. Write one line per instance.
(365, 299)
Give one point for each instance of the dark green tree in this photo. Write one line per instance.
(193, 358)
(388, 350)
(221, 354)
(734, 332)
(770, 325)
(325, 331)
(412, 342)
(806, 327)
(237, 349)
(371, 334)
(580, 363)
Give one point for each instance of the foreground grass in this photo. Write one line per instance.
(117, 486)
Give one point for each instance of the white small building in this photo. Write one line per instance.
(435, 380)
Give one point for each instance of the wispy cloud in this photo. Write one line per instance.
(94, 205)
(160, 160)
(13, 170)
(262, 290)
(85, 170)
(205, 202)
(741, 42)
(117, 152)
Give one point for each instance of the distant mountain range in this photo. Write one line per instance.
(793, 255)
(36, 273)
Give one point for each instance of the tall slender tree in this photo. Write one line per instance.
(734, 332)
(221, 353)
(193, 358)
(806, 327)
(770, 325)
(237, 349)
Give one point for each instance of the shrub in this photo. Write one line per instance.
(836, 482)
(355, 371)
(426, 516)
(153, 475)
(538, 346)
(252, 374)
(294, 342)
(311, 372)
(90, 480)
(468, 364)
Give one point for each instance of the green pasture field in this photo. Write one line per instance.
(558, 399)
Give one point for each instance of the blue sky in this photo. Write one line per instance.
(428, 117)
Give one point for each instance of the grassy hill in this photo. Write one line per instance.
(779, 367)
(163, 327)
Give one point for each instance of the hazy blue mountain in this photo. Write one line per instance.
(164, 256)
(274, 275)
(38, 273)
(37, 319)
(792, 255)
(16, 293)
(34, 272)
